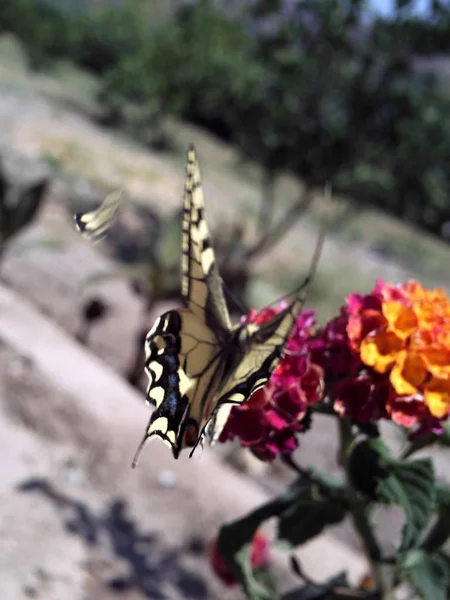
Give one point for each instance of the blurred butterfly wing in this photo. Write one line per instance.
(95, 224)
(182, 364)
(201, 285)
(261, 347)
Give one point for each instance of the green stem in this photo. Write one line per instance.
(308, 475)
(345, 442)
(416, 445)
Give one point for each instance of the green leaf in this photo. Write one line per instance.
(407, 483)
(308, 516)
(320, 591)
(411, 485)
(428, 574)
(234, 544)
(366, 465)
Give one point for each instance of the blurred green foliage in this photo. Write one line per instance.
(312, 87)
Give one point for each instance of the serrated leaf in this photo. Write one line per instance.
(308, 516)
(319, 591)
(411, 485)
(407, 483)
(428, 574)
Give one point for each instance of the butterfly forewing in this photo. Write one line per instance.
(201, 285)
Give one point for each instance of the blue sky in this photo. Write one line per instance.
(385, 6)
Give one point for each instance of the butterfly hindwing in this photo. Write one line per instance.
(182, 363)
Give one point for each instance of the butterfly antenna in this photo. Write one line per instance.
(139, 451)
(243, 310)
(317, 251)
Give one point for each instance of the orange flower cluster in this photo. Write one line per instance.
(403, 333)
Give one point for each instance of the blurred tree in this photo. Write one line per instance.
(309, 86)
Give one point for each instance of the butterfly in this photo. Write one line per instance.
(198, 364)
(95, 224)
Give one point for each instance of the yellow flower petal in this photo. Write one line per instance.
(380, 350)
(401, 319)
(437, 359)
(408, 373)
(437, 397)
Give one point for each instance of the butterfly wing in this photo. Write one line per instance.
(183, 362)
(94, 225)
(201, 285)
(185, 347)
(259, 349)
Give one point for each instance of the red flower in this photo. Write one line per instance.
(259, 557)
(331, 349)
(362, 398)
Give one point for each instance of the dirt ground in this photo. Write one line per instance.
(75, 520)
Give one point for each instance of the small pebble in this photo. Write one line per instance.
(167, 479)
(71, 473)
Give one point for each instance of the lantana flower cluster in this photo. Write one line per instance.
(269, 421)
(386, 355)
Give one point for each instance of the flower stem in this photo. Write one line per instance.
(416, 445)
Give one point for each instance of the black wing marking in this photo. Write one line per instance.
(201, 285)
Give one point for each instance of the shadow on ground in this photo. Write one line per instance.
(150, 565)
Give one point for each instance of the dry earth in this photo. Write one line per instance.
(75, 520)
